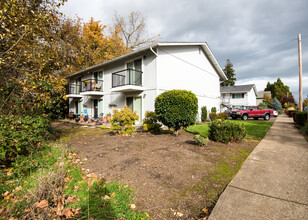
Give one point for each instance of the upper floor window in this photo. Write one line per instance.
(238, 96)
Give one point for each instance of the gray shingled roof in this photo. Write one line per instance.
(236, 89)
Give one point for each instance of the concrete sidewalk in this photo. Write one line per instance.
(273, 181)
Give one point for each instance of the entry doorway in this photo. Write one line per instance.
(135, 104)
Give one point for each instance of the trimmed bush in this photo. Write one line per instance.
(123, 121)
(22, 136)
(213, 109)
(226, 131)
(213, 116)
(150, 123)
(222, 116)
(300, 118)
(200, 141)
(176, 108)
(203, 113)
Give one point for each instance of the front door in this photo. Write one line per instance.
(76, 107)
(95, 104)
(135, 104)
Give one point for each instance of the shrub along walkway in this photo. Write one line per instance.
(272, 182)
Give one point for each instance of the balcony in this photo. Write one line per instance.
(128, 80)
(73, 91)
(92, 87)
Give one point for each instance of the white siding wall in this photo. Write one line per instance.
(188, 68)
(251, 97)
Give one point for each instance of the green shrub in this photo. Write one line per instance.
(305, 129)
(200, 140)
(150, 123)
(123, 121)
(301, 118)
(21, 136)
(213, 109)
(262, 105)
(213, 116)
(275, 104)
(176, 108)
(226, 131)
(203, 113)
(222, 116)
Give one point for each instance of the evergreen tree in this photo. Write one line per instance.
(229, 72)
(280, 91)
(276, 105)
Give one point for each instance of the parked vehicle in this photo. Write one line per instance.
(254, 112)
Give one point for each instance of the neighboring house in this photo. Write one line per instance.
(261, 95)
(233, 97)
(137, 78)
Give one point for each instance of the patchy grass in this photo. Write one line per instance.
(203, 130)
(255, 129)
(52, 185)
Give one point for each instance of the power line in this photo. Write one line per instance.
(261, 53)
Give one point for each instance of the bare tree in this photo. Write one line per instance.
(133, 30)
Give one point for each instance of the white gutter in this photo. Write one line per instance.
(153, 52)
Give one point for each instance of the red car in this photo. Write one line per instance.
(254, 112)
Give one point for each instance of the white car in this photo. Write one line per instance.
(275, 113)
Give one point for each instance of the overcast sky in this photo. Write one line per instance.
(259, 37)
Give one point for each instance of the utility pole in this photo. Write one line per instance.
(300, 72)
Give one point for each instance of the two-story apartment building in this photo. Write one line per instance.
(236, 96)
(137, 78)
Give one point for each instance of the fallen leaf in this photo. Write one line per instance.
(27, 210)
(178, 214)
(71, 200)
(68, 212)
(18, 188)
(112, 195)
(205, 211)
(105, 197)
(42, 204)
(76, 188)
(6, 193)
(132, 206)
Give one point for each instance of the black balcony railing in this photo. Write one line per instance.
(92, 85)
(127, 77)
(73, 89)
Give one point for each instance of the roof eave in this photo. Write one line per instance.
(204, 46)
(213, 61)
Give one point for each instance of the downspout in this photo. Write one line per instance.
(156, 81)
(153, 52)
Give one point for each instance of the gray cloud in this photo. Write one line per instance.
(246, 32)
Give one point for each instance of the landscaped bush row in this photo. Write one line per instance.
(300, 118)
(21, 136)
(226, 131)
(221, 116)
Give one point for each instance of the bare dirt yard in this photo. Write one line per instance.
(172, 177)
